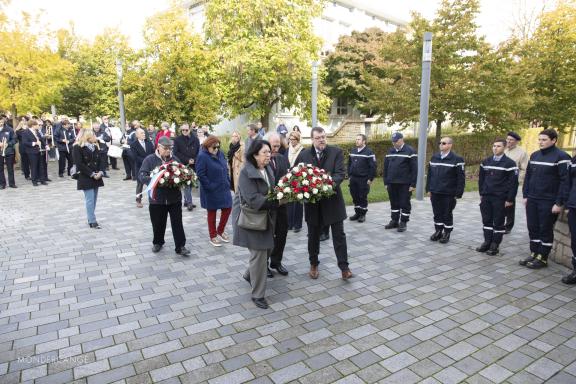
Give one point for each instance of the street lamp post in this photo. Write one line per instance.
(120, 94)
(424, 101)
(315, 93)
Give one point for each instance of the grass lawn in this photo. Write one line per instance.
(379, 193)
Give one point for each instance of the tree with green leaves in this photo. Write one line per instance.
(548, 61)
(266, 49)
(176, 77)
(32, 76)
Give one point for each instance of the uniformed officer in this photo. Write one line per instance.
(361, 172)
(520, 157)
(571, 205)
(400, 172)
(498, 185)
(104, 141)
(35, 147)
(545, 188)
(444, 184)
(64, 137)
(7, 153)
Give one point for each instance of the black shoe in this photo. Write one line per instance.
(445, 238)
(355, 216)
(13, 186)
(60, 175)
(493, 251)
(260, 303)
(183, 251)
(126, 178)
(402, 227)
(2, 187)
(539, 262)
(391, 225)
(570, 279)
(193, 206)
(483, 248)
(95, 226)
(525, 261)
(296, 230)
(190, 207)
(34, 183)
(436, 235)
(269, 273)
(247, 278)
(156, 248)
(49, 180)
(27, 177)
(43, 183)
(324, 237)
(281, 270)
(362, 219)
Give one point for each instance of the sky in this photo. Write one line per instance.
(89, 16)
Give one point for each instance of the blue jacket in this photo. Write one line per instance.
(140, 153)
(7, 133)
(446, 176)
(212, 171)
(571, 199)
(401, 167)
(60, 134)
(164, 196)
(498, 178)
(547, 175)
(362, 164)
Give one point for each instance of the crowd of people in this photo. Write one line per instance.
(242, 179)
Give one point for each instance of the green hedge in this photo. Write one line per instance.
(472, 147)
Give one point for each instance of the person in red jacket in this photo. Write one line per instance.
(163, 132)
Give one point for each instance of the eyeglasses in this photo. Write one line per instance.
(444, 143)
(216, 147)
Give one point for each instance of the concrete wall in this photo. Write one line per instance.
(561, 251)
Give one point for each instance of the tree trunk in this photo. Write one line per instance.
(438, 132)
(265, 119)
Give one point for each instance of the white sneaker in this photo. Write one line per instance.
(224, 237)
(215, 242)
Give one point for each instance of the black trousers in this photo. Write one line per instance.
(510, 213)
(572, 225)
(159, 217)
(280, 234)
(540, 220)
(400, 206)
(65, 156)
(9, 161)
(24, 161)
(113, 162)
(128, 160)
(492, 210)
(104, 160)
(442, 208)
(38, 166)
(295, 215)
(338, 240)
(359, 190)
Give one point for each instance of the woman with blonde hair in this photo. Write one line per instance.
(235, 159)
(295, 210)
(87, 160)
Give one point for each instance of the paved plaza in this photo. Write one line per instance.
(87, 306)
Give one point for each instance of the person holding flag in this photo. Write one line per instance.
(163, 201)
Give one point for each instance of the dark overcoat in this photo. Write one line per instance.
(212, 171)
(87, 162)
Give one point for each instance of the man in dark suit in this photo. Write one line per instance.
(330, 211)
(186, 147)
(280, 165)
(35, 147)
(140, 149)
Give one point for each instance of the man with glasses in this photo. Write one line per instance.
(444, 184)
(186, 147)
(329, 211)
(168, 201)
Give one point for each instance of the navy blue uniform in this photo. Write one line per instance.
(64, 150)
(24, 160)
(127, 156)
(445, 182)
(546, 184)
(361, 169)
(104, 140)
(400, 173)
(498, 183)
(7, 155)
(571, 205)
(36, 155)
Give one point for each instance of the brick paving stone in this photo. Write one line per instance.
(289, 373)
(544, 368)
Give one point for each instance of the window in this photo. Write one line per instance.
(341, 106)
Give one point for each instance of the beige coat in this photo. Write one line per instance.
(237, 165)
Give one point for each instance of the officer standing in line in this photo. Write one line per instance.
(520, 157)
(498, 185)
(545, 189)
(571, 205)
(400, 173)
(444, 184)
(7, 153)
(361, 172)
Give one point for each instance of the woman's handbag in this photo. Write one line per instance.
(114, 151)
(74, 173)
(252, 219)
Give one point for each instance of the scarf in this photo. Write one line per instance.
(232, 151)
(293, 153)
(90, 146)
